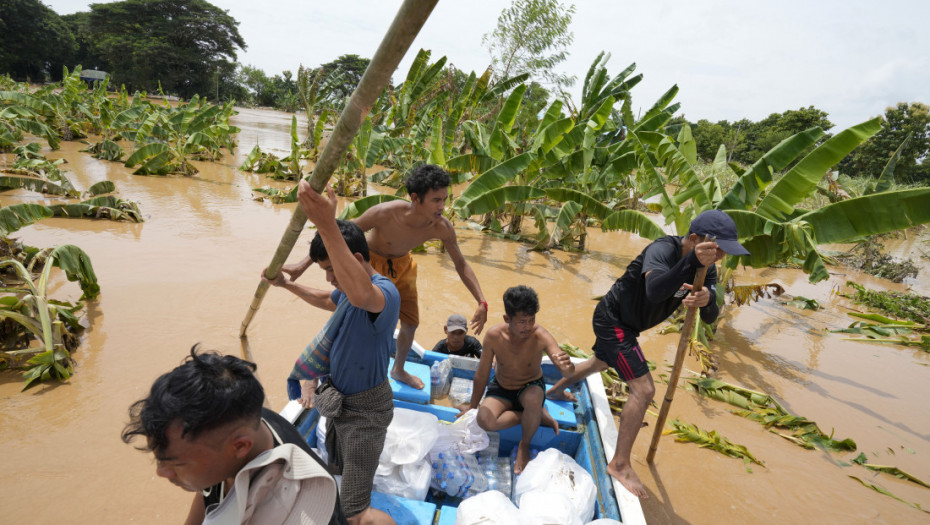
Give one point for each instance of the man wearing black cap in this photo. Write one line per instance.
(654, 285)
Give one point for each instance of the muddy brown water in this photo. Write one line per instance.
(189, 272)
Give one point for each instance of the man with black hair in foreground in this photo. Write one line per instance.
(205, 423)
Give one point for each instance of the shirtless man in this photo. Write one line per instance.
(396, 227)
(517, 392)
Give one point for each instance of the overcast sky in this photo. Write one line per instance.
(731, 59)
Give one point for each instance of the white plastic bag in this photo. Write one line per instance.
(489, 508)
(410, 480)
(464, 435)
(548, 508)
(410, 436)
(604, 521)
(554, 471)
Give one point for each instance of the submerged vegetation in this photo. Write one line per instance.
(764, 409)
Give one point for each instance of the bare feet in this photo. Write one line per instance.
(628, 478)
(561, 395)
(523, 457)
(549, 421)
(407, 378)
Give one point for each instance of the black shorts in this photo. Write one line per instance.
(513, 396)
(616, 345)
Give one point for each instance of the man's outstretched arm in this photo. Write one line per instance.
(469, 279)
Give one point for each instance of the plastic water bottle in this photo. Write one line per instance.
(454, 480)
(435, 377)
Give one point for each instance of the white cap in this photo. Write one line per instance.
(290, 489)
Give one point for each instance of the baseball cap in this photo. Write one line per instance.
(282, 485)
(720, 225)
(456, 322)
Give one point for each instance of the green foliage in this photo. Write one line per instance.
(747, 141)
(29, 315)
(908, 122)
(685, 433)
(764, 409)
(34, 41)
(901, 305)
(532, 36)
(348, 69)
(184, 44)
(869, 257)
(170, 137)
(882, 490)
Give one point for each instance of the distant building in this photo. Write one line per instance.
(92, 76)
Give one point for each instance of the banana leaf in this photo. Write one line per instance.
(100, 188)
(358, 207)
(436, 153)
(77, 267)
(634, 222)
(884, 491)
(16, 216)
(745, 193)
(589, 206)
(8, 182)
(685, 433)
(496, 199)
(869, 215)
(561, 230)
(884, 181)
(471, 163)
(802, 179)
(889, 469)
(494, 178)
(105, 206)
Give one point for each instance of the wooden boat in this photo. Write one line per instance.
(586, 432)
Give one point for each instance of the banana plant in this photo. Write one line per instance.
(66, 108)
(316, 91)
(40, 318)
(176, 135)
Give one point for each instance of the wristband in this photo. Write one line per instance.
(485, 304)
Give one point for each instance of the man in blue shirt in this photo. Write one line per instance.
(356, 398)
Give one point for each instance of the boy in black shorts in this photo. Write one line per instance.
(516, 393)
(654, 285)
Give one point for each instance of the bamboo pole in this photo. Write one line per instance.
(679, 362)
(407, 23)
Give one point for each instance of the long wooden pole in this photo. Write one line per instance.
(686, 330)
(407, 23)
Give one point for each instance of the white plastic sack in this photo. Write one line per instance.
(489, 508)
(554, 471)
(321, 438)
(547, 508)
(463, 435)
(410, 480)
(410, 437)
(604, 521)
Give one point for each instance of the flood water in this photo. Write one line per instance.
(188, 274)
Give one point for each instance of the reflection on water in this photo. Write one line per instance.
(188, 274)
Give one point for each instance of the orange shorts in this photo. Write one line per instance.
(402, 271)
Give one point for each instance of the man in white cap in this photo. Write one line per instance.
(457, 341)
(653, 287)
(210, 434)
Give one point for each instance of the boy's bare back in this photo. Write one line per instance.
(518, 361)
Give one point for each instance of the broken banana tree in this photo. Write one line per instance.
(764, 409)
